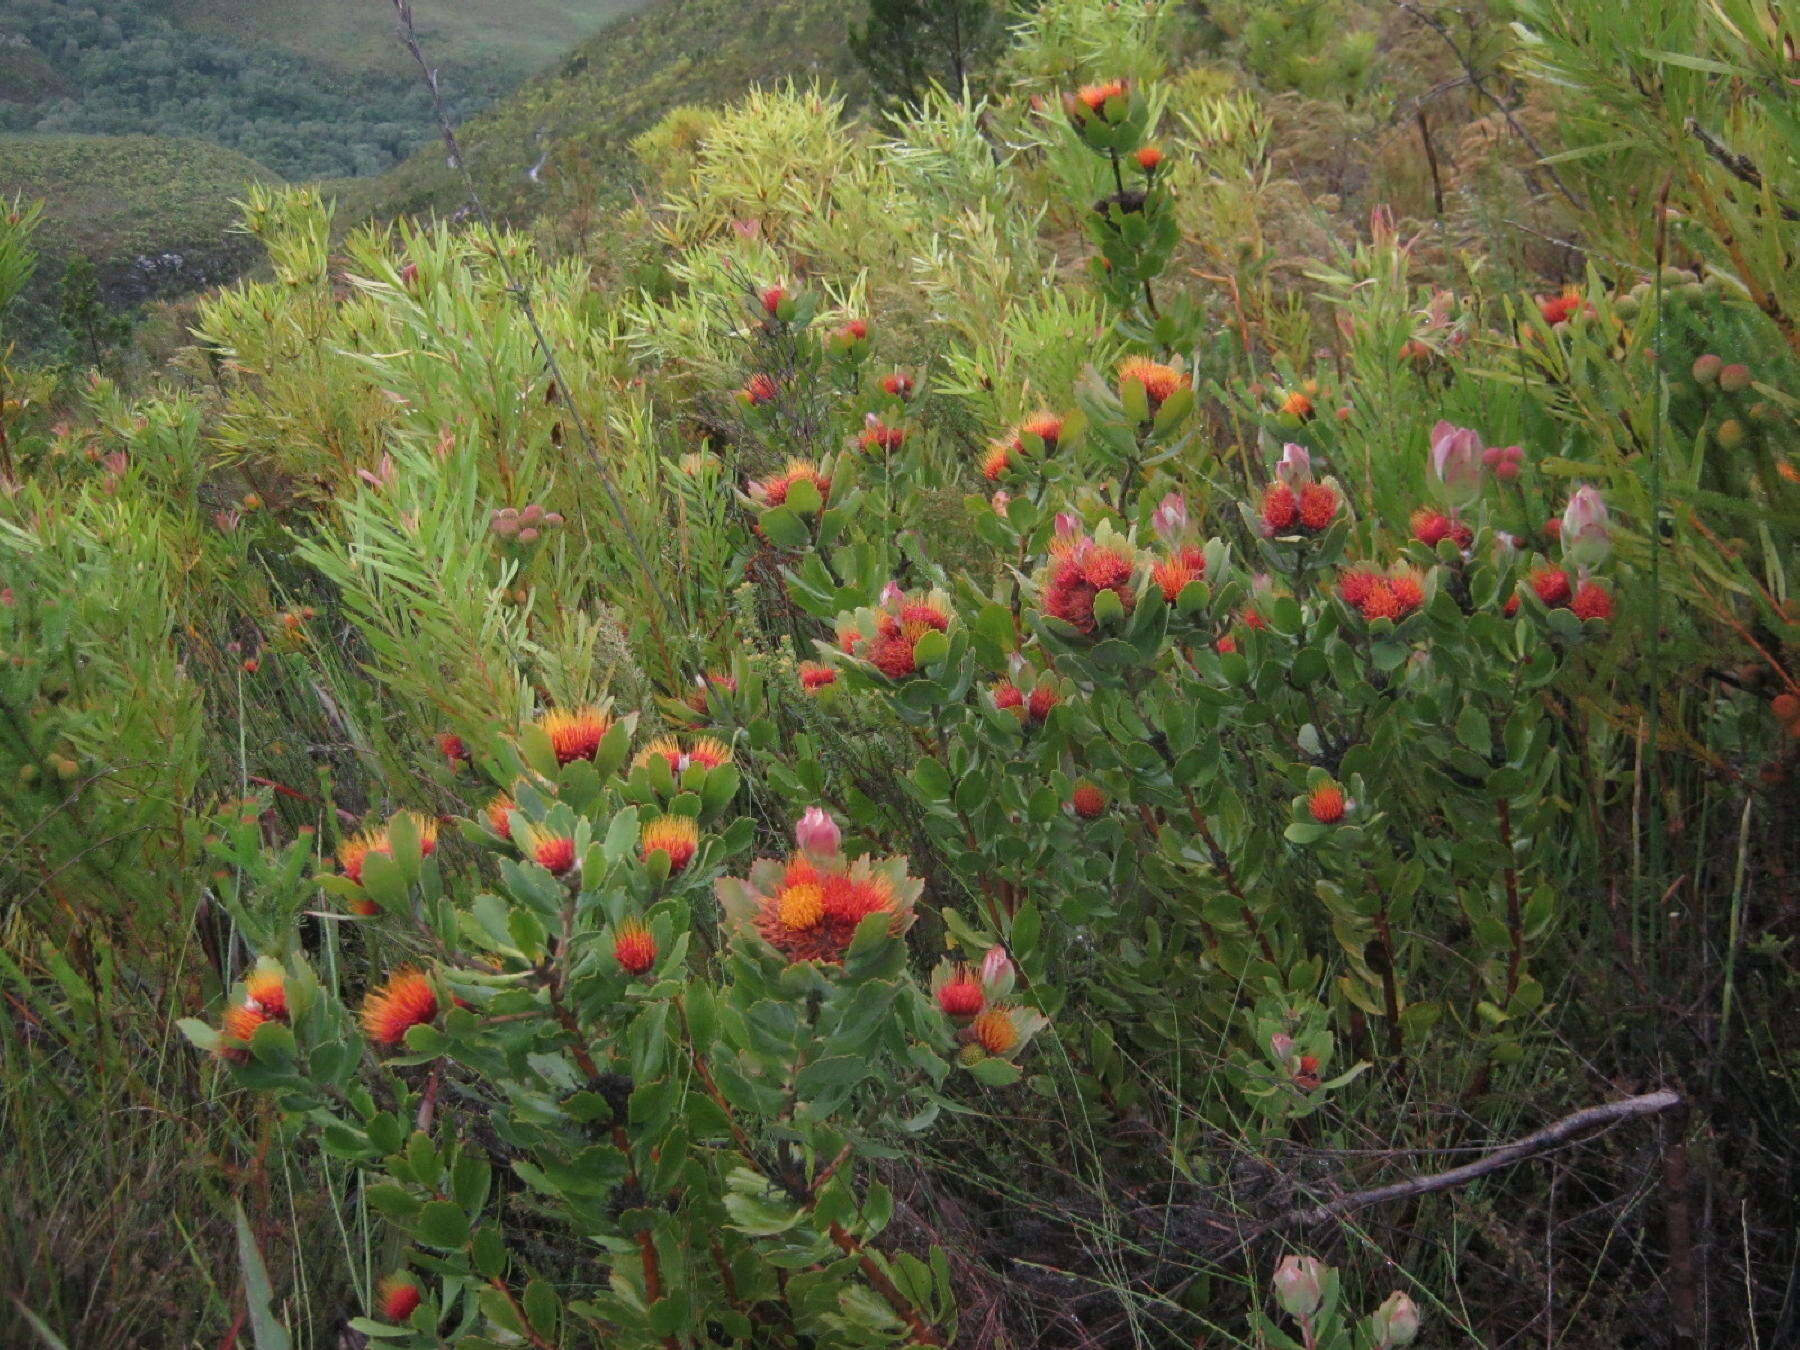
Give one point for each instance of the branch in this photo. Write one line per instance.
(1506, 1155)
(1740, 167)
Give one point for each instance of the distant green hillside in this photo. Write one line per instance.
(579, 117)
(154, 215)
(311, 88)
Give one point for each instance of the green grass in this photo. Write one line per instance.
(613, 86)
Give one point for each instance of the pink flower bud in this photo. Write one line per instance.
(1170, 519)
(1281, 1045)
(1297, 1285)
(996, 966)
(817, 833)
(1585, 537)
(1396, 1322)
(1295, 468)
(892, 595)
(1456, 461)
(1068, 525)
(999, 501)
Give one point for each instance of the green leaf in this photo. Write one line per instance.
(266, 1333)
(542, 1307)
(995, 1072)
(835, 1071)
(784, 527)
(442, 1224)
(932, 779)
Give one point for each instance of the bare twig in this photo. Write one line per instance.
(1740, 167)
(1558, 1132)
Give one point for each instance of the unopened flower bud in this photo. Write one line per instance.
(1396, 1322)
(817, 833)
(528, 535)
(1584, 534)
(1706, 368)
(1735, 378)
(1170, 519)
(1297, 1285)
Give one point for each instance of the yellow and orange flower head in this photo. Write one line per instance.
(676, 836)
(1326, 803)
(1160, 382)
(575, 733)
(265, 988)
(499, 815)
(1172, 575)
(354, 851)
(995, 1031)
(773, 491)
(1094, 97)
(407, 1000)
(551, 849)
(808, 909)
(396, 1297)
(996, 461)
(1045, 426)
(427, 828)
(239, 1025)
(709, 752)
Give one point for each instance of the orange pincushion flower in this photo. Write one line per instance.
(878, 435)
(1408, 593)
(1172, 575)
(759, 389)
(407, 1000)
(1326, 802)
(554, 852)
(1592, 601)
(633, 946)
(240, 1024)
(1046, 426)
(1298, 404)
(1381, 602)
(996, 461)
(1318, 504)
(453, 748)
(677, 836)
(707, 752)
(396, 1297)
(1559, 309)
(498, 816)
(575, 733)
(1148, 158)
(815, 675)
(774, 491)
(352, 852)
(1355, 584)
(1160, 382)
(266, 990)
(800, 906)
(995, 1031)
(1089, 801)
(960, 995)
(897, 383)
(1093, 97)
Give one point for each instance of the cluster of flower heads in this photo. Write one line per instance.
(975, 1001)
(377, 841)
(808, 907)
(1080, 569)
(1296, 504)
(1031, 709)
(1041, 433)
(1394, 594)
(265, 1000)
(898, 624)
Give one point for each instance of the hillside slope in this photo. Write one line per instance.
(153, 214)
(579, 118)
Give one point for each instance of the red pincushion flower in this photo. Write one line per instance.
(759, 389)
(1280, 508)
(774, 491)
(878, 435)
(996, 462)
(1592, 601)
(1429, 527)
(407, 1000)
(856, 330)
(396, 1297)
(575, 733)
(453, 748)
(1511, 607)
(809, 912)
(1007, 695)
(553, 852)
(771, 298)
(892, 655)
(633, 947)
(1318, 504)
(960, 995)
(677, 836)
(1105, 569)
(498, 812)
(1252, 618)
(1089, 801)
(898, 383)
(1326, 802)
(1559, 309)
(1551, 585)
(1148, 158)
(1355, 584)
(926, 613)
(815, 675)
(1226, 645)
(1043, 699)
